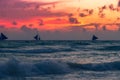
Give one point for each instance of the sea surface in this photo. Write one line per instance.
(60, 60)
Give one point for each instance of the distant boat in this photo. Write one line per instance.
(94, 37)
(3, 37)
(37, 37)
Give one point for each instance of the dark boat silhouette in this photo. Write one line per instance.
(94, 37)
(3, 37)
(37, 37)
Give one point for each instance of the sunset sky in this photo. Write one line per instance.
(55, 18)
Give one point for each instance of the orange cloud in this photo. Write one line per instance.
(58, 14)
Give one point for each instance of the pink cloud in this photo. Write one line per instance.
(17, 9)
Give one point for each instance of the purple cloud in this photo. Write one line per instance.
(14, 23)
(91, 11)
(82, 15)
(28, 30)
(25, 28)
(102, 15)
(104, 28)
(86, 12)
(2, 26)
(30, 25)
(41, 22)
(17, 9)
(73, 20)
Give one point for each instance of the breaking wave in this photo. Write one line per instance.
(15, 68)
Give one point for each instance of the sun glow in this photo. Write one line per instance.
(53, 14)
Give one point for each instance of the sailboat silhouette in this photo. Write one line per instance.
(37, 37)
(3, 37)
(94, 37)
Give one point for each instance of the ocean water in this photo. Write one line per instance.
(59, 60)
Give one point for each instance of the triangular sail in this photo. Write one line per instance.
(37, 37)
(94, 38)
(3, 37)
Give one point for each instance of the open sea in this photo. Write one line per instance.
(60, 60)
